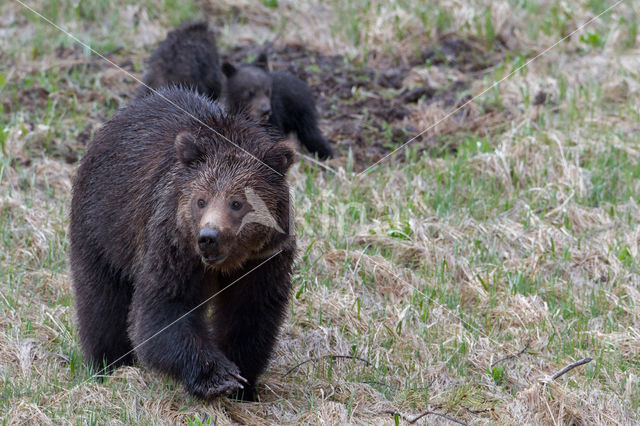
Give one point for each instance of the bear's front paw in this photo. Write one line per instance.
(222, 378)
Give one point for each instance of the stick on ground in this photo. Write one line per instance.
(330, 356)
(571, 367)
(426, 413)
(526, 346)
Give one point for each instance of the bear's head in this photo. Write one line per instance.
(234, 202)
(249, 88)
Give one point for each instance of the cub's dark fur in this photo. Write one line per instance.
(187, 57)
(159, 224)
(281, 97)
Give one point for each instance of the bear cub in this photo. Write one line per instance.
(187, 57)
(166, 213)
(280, 98)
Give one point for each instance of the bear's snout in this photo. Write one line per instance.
(265, 111)
(208, 240)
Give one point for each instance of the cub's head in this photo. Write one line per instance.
(234, 201)
(249, 88)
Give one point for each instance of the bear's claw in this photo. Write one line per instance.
(240, 378)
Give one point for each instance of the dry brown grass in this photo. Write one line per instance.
(431, 269)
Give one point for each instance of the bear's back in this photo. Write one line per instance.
(188, 56)
(129, 169)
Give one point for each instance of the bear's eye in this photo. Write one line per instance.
(201, 203)
(236, 205)
(248, 94)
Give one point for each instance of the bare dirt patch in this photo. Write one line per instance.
(373, 109)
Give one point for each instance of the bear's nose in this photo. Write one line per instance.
(266, 111)
(208, 238)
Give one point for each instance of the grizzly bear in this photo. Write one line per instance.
(280, 98)
(163, 217)
(187, 57)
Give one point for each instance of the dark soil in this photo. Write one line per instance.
(362, 108)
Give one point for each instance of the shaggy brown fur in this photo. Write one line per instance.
(156, 228)
(188, 57)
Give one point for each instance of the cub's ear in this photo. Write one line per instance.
(228, 69)
(187, 149)
(262, 61)
(280, 157)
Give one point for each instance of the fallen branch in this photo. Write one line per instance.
(426, 413)
(512, 355)
(571, 367)
(320, 358)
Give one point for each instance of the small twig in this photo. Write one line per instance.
(61, 356)
(426, 413)
(486, 410)
(571, 367)
(320, 358)
(526, 346)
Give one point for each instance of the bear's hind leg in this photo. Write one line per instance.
(102, 301)
(310, 136)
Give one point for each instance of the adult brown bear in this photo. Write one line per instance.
(163, 216)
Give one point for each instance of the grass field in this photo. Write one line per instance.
(456, 276)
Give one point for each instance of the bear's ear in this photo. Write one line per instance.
(262, 61)
(187, 149)
(228, 69)
(280, 157)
